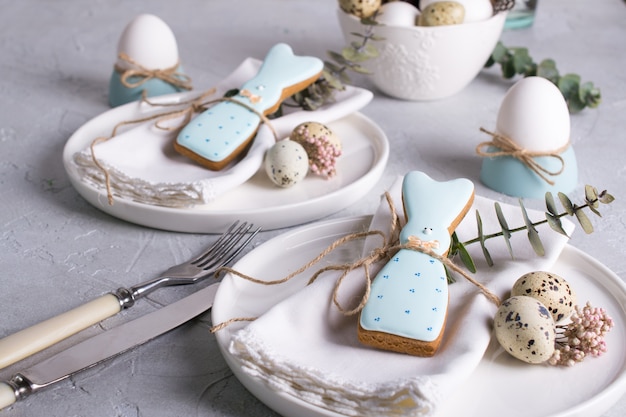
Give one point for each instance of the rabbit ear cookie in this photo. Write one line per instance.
(408, 305)
(218, 135)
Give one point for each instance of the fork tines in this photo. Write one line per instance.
(225, 248)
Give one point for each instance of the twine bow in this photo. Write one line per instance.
(169, 75)
(416, 243)
(508, 147)
(252, 97)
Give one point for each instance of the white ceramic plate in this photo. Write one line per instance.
(364, 157)
(500, 386)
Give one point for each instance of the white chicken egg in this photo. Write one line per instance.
(475, 10)
(397, 13)
(286, 163)
(534, 114)
(150, 42)
(525, 329)
(552, 290)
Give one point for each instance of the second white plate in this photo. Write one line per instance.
(499, 386)
(364, 157)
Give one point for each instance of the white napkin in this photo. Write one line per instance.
(306, 348)
(143, 165)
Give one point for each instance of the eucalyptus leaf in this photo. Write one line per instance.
(592, 199)
(466, 258)
(332, 67)
(333, 81)
(312, 104)
(449, 276)
(547, 69)
(506, 232)
(370, 50)
(555, 223)
(595, 211)
(232, 92)
(584, 221)
(550, 204)
(508, 69)
(566, 203)
(590, 95)
(454, 245)
(521, 61)
(591, 196)
(481, 237)
(533, 235)
(360, 69)
(499, 52)
(354, 55)
(358, 35)
(574, 104)
(338, 58)
(606, 198)
(370, 20)
(337, 84)
(517, 60)
(569, 85)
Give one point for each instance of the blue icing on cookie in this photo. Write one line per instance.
(415, 282)
(229, 125)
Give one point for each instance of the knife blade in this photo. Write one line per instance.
(104, 346)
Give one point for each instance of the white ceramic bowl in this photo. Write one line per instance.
(427, 63)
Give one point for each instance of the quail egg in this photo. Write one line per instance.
(553, 291)
(360, 8)
(525, 329)
(286, 163)
(442, 13)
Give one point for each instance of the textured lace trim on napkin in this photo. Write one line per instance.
(175, 195)
(416, 396)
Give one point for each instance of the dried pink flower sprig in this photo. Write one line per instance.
(582, 337)
(321, 148)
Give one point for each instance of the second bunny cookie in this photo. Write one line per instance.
(407, 308)
(218, 135)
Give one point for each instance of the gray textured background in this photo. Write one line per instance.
(56, 250)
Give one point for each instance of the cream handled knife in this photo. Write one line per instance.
(105, 346)
(42, 335)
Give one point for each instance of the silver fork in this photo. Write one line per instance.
(220, 253)
(42, 335)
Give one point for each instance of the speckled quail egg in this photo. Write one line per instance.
(286, 163)
(442, 13)
(314, 130)
(552, 290)
(525, 329)
(360, 8)
(323, 147)
(475, 10)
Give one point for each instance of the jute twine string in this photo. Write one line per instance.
(508, 147)
(192, 106)
(168, 75)
(382, 253)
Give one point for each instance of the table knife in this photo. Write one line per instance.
(106, 345)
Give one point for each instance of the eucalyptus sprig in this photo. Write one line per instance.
(335, 73)
(592, 202)
(517, 61)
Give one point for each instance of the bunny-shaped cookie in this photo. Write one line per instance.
(408, 304)
(221, 133)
